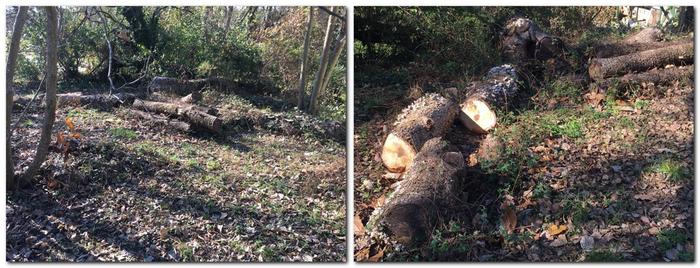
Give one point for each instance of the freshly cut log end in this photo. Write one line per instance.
(431, 186)
(428, 117)
(477, 116)
(498, 88)
(397, 154)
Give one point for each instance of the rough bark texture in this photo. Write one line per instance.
(430, 186)
(189, 113)
(646, 35)
(498, 88)
(99, 101)
(51, 77)
(323, 64)
(523, 39)
(183, 87)
(162, 121)
(9, 93)
(428, 117)
(641, 61)
(622, 48)
(664, 76)
(304, 57)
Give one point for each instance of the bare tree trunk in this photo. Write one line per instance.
(50, 116)
(313, 102)
(9, 93)
(229, 11)
(109, 46)
(335, 56)
(304, 57)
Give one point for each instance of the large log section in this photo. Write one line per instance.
(185, 112)
(497, 89)
(101, 101)
(428, 117)
(431, 185)
(641, 61)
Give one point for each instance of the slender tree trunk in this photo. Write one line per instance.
(335, 56)
(229, 11)
(50, 116)
(304, 57)
(9, 93)
(109, 46)
(313, 102)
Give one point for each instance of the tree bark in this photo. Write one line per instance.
(430, 186)
(50, 116)
(304, 57)
(646, 35)
(9, 93)
(192, 114)
(99, 101)
(524, 40)
(166, 122)
(641, 61)
(497, 89)
(428, 117)
(335, 56)
(313, 102)
(184, 87)
(658, 77)
(621, 48)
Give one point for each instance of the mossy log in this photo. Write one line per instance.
(428, 117)
(430, 187)
(498, 88)
(600, 69)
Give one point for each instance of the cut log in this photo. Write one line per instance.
(646, 35)
(189, 113)
(430, 186)
(184, 87)
(608, 50)
(193, 97)
(641, 61)
(428, 117)
(100, 101)
(166, 122)
(658, 77)
(523, 40)
(498, 88)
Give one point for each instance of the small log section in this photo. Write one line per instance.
(428, 117)
(183, 87)
(101, 101)
(431, 186)
(189, 113)
(641, 61)
(498, 88)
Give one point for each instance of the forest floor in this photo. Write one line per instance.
(607, 182)
(132, 191)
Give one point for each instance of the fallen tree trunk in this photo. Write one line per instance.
(166, 122)
(428, 117)
(658, 77)
(188, 113)
(430, 186)
(498, 88)
(641, 61)
(622, 48)
(646, 35)
(184, 87)
(100, 101)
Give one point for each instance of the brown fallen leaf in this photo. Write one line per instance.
(509, 219)
(362, 254)
(379, 201)
(556, 229)
(644, 197)
(359, 228)
(377, 256)
(560, 241)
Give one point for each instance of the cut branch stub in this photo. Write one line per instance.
(431, 186)
(497, 89)
(428, 117)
